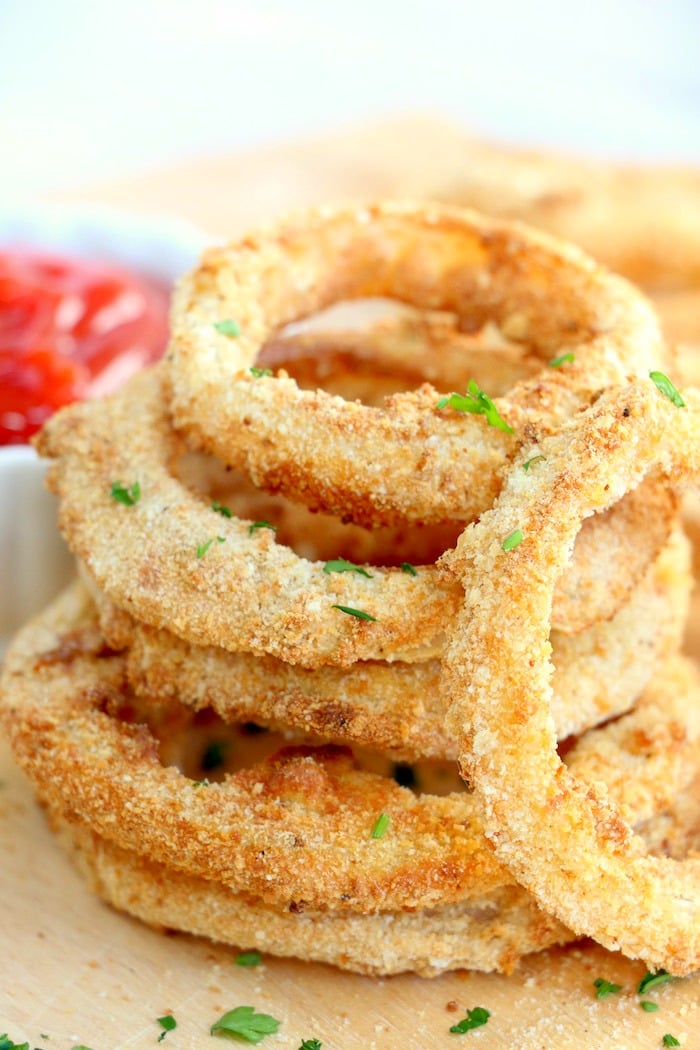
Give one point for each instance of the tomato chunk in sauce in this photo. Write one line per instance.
(70, 329)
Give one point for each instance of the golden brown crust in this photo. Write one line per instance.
(253, 594)
(398, 707)
(410, 461)
(488, 933)
(561, 838)
(295, 828)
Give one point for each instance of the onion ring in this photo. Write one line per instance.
(293, 831)
(398, 707)
(412, 461)
(564, 839)
(488, 933)
(252, 594)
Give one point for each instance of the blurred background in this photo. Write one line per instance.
(92, 92)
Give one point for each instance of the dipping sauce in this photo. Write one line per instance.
(70, 329)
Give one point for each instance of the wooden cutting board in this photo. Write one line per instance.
(75, 973)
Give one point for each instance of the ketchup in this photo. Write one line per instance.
(70, 329)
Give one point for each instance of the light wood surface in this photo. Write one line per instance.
(73, 972)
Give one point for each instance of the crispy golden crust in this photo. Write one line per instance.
(562, 838)
(643, 222)
(253, 594)
(294, 830)
(410, 461)
(398, 707)
(486, 933)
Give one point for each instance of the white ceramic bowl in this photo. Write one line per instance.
(34, 562)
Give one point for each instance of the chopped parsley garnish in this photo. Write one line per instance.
(200, 783)
(407, 567)
(204, 547)
(475, 1019)
(244, 1022)
(260, 372)
(381, 826)
(669, 1040)
(221, 509)
(311, 1044)
(230, 328)
(260, 525)
(127, 496)
(342, 565)
(666, 387)
(531, 462)
(81, 1047)
(648, 1006)
(476, 402)
(563, 359)
(605, 988)
(358, 613)
(7, 1044)
(512, 541)
(167, 1023)
(653, 980)
(248, 959)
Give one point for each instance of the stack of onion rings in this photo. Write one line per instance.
(290, 835)
(217, 618)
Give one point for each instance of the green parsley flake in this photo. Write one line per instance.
(669, 1040)
(7, 1044)
(358, 613)
(167, 1023)
(260, 525)
(648, 1006)
(221, 509)
(311, 1044)
(512, 541)
(127, 496)
(476, 402)
(666, 387)
(204, 547)
(531, 462)
(230, 328)
(81, 1047)
(407, 567)
(342, 565)
(563, 359)
(381, 826)
(260, 372)
(653, 980)
(248, 959)
(475, 1019)
(605, 988)
(244, 1022)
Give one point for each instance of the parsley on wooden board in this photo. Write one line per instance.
(243, 1021)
